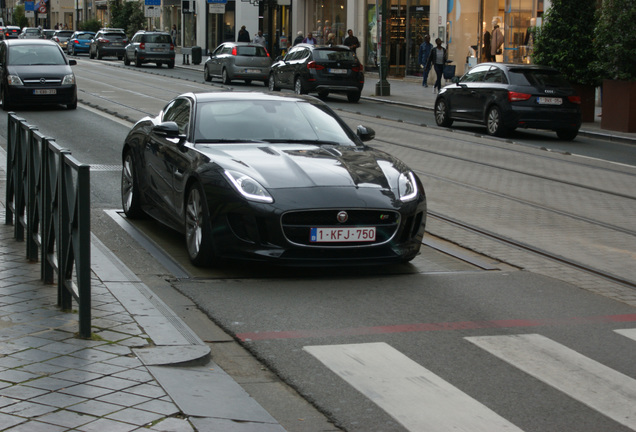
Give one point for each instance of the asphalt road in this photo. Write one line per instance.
(434, 345)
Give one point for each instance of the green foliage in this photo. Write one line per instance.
(565, 41)
(615, 40)
(128, 15)
(91, 25)
(19, 18)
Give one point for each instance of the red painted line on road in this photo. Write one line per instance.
(423, 327)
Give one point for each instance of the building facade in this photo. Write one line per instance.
(464, 26)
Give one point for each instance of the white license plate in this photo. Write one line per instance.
(44, 92)
(342, 235)
(338, 71)
(550, 101)
(252, 71)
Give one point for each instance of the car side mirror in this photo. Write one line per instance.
(72, 62)
(365, 133)
(455, 79)
(169, 130)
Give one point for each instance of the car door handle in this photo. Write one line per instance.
(178, 174)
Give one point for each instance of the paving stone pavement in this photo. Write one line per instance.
(127, 377)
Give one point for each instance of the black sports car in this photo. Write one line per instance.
(271, 177)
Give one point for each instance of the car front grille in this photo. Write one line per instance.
(297, 225)
(43, 82)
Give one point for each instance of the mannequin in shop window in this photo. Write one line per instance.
(496, 43)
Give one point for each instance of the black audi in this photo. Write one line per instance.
(505, 97)
(271, 178)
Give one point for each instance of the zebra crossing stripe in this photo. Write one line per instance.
(597, 386)
(417, 398)
(630, 333)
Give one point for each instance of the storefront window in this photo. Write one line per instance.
(327, 16)
(220, 26)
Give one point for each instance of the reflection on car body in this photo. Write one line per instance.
(35, 72)
(509, 96)
(273, 178)
(319, 69)
(238, 60)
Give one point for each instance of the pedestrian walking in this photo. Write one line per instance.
(425, 51)
(299, 38)
(310, 39)
(243, 35)
(259, 38)
(351, 41)
(438, 58)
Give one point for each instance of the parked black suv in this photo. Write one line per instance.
(108, 42)
(318, 69)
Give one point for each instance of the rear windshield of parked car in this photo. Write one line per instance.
(251, 51)
(538, 78)
(66, 34)
(157, 38)
(85, 36)
(115, 35)
(332, 55)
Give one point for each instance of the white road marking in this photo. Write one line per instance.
(630, 333)
(417, 398)
(597, 386)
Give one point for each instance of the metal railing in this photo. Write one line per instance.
(48, 198)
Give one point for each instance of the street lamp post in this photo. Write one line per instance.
(382, 87)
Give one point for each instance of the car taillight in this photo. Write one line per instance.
(516, 96)
(575, 99)
(357, 68)
(142, 46)
(234, 52)
(314, 65)
(171, 47)
(102, 40)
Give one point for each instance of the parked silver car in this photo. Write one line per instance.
(238, 61)
(150, 47)
(31, 33)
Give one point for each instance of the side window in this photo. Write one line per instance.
(495, 75)
(476, 74)
(178, 112)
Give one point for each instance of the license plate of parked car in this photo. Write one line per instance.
(45, 92)
(342, 235)
(252, 71)
(338, 71)
(550, 101)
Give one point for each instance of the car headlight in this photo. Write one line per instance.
(14, 80)
(407, 187)
(248, 187)
(69, 79)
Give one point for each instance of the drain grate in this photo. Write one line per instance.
(105, 167)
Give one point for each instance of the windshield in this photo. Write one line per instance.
(270, 121)
(25, 55)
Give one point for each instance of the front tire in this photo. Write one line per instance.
(298, 87)
(197, 227)
(271, 85)
(441, 114)
(494, 122)
(206, 74)
(126, 60)
(130, 196)
(226, 77)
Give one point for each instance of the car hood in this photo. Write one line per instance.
(300, 166)
(40, 71)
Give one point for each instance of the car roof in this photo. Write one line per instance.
(11, 42)
(248, 96)
(108, 29)
(518, 66)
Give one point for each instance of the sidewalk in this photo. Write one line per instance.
(410, 92)
(144, 369)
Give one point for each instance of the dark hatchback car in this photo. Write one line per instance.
(108, 42)
(266, 177)
(319, 69)
(238, 60)
(504, 97)
(11, 32)
(35, 72)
